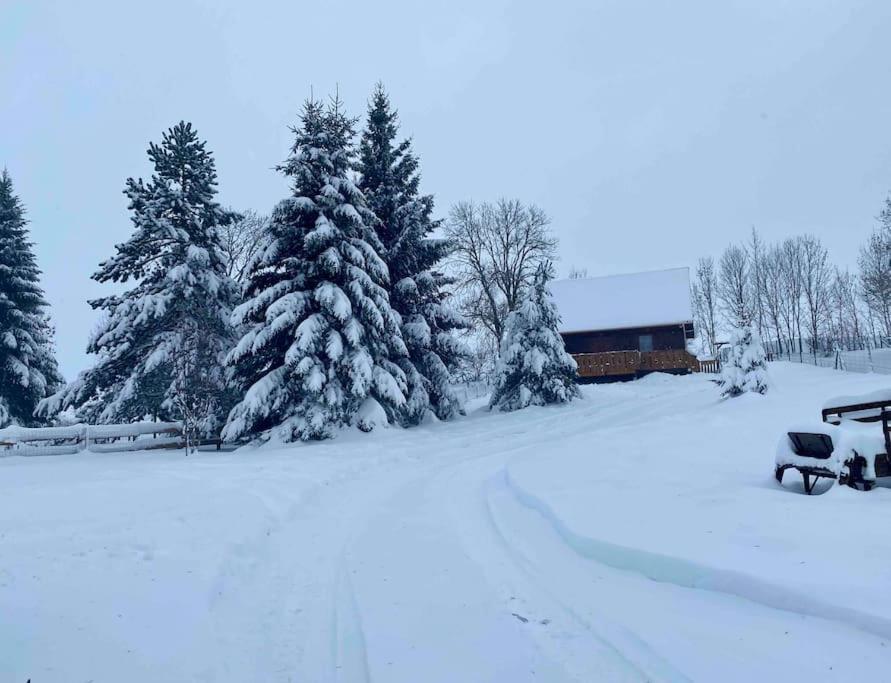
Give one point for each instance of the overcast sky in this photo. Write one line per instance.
(651, 132)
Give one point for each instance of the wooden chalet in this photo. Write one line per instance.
(621, 327)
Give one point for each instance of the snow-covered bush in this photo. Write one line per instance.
(745, 369)
(534, 368)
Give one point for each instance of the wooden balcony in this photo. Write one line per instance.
(608, 364)
(628, 364)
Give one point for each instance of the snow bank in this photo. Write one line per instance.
(878, 396)
(679, 487)
(16, 434)
(706, 575)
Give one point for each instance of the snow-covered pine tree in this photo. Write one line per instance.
(389, 179)
(321, 332)
(533, 366)
(746, 368)
(28, 369)
(147, 338)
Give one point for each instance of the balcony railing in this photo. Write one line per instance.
(627, 363)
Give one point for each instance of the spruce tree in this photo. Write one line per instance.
(533, 366)
(746, 368)
(389, 179)
(28, 369)
(318, 353)
(175, 319)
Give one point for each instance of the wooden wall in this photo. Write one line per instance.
(664, 339)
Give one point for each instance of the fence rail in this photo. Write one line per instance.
(114, 438)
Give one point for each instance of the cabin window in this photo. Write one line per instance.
(645, 342)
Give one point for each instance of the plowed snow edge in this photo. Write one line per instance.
(688, 574)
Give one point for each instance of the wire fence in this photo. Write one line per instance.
(854, 354)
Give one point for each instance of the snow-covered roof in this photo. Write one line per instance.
(613, 302)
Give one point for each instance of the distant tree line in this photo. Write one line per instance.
(795, 297)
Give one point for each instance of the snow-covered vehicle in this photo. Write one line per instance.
(845, 446)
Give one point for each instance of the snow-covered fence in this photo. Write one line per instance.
(134, 436)
(860, 354)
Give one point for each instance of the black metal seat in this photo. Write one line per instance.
(811, 445)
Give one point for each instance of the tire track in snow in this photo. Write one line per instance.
(302, 616)
(627, 645)
(574, 645)
(348, 639)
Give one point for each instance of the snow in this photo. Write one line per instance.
(879, 396)
(15, 433)
(653, 298)
(636, 534)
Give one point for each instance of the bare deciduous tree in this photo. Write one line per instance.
(497, 249)
(756, 273)
(735, 286)
(773, 294)
(478, 365)
(816, 277)
(705, 302)
(875, 273)
(791, 264)
(793, 294)
(845, 318)
(242, 239)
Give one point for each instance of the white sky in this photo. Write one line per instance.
(651, 132)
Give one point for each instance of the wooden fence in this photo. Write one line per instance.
(712, 366)
(114, 438)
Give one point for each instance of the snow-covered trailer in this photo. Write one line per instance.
(844, 446)
(620, 327)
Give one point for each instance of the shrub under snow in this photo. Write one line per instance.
(534, 368)
(746, 369)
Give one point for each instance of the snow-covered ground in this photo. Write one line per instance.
(634, 535)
